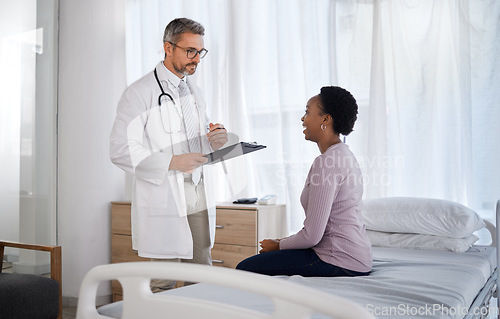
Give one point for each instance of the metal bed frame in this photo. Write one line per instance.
(490, 290)
(135, 281)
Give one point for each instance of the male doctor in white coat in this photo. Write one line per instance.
(159, 136)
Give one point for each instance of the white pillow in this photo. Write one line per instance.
(420, 216)
(414, 241)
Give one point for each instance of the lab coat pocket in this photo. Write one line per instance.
(167, 236)
(158, 199)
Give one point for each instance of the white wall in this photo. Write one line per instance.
(91, 80)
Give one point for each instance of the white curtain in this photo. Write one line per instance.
(426, 75)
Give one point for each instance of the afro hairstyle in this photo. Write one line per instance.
(342, 107)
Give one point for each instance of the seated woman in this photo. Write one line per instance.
(333, 240)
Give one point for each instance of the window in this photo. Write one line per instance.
(28, 142)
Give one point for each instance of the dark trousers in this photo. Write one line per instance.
(303, 262)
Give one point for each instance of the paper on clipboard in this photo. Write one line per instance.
(235, 150)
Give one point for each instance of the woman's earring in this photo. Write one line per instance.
(323, 126)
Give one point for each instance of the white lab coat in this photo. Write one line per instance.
(143, 146)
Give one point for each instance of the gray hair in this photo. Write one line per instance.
(179, 26)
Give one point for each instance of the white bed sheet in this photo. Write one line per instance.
(403, 283)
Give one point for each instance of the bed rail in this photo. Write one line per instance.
(493, 232)
(291, 300)
(496, 294)
(496, 232)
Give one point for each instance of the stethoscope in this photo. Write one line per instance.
(163, 93)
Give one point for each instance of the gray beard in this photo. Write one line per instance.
(182, 70)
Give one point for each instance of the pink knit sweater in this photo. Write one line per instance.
(331, 199)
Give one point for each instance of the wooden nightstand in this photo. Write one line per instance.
(121, 241)
(240, 227)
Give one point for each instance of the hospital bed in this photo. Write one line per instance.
(410, 279)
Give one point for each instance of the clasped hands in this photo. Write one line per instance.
(188, 162)
(269, 245)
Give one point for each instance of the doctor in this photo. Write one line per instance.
(159, 136)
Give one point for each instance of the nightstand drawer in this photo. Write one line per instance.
(230, 255)
(121, 250)
(236, 227)
(120, 219)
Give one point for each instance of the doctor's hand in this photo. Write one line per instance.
(269, 245)
(188, 162)
(217, 135)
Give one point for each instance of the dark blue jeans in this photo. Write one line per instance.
(303, 262)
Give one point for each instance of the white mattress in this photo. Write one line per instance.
(403, 283)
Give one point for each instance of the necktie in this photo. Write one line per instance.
(191, 128)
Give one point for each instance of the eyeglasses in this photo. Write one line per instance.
(191, 54)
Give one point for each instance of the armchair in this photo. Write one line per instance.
(31, 296)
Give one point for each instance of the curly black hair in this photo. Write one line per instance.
(342, 106)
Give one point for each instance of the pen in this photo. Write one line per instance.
(219, 128)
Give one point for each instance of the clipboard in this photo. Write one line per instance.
(232, 151)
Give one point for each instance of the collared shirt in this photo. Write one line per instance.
(173, 82)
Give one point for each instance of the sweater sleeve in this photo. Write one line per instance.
(322, 186)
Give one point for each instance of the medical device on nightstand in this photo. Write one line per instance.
(267, 200)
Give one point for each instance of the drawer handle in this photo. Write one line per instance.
(216, 261)
(219, 226)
